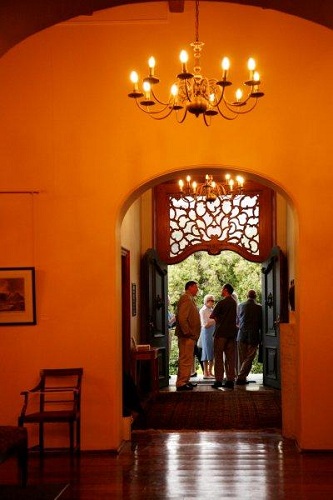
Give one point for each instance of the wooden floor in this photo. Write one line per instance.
(188, 465)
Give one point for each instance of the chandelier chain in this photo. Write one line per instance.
(196, 20)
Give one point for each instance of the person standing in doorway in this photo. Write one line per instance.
(206, 336)
(188, 331)
(171, 316)
(225, 316)
(249, 333)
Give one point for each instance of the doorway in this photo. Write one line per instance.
(142, 210)
(211, 272)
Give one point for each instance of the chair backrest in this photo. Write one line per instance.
(59, 380)
(63, 377)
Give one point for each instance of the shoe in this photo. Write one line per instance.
(216, 385)
(209, 377)
(242, 382)
(185, 387)
(194, 375)
(228, 384)
(191, 384)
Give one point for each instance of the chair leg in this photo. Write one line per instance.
(71, 436)
(22, 460)
(41, 438)
(78, 434)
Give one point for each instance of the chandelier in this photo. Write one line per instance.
(194, 93)
(210, 189)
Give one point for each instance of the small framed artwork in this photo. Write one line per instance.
(17, 296)
(133, 299)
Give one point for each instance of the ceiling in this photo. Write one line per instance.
(21, 18)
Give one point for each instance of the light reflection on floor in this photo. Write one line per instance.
(255, 379)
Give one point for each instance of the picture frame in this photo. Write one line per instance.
(17, 296)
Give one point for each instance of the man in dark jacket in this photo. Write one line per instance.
(249, 334)
(225, 315)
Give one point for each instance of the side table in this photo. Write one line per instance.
(150, 356)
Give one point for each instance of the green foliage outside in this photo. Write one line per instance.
(211, 273)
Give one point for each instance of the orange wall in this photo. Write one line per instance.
(68, 129)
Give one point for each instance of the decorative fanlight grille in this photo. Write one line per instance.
(242, 223)
(228, 220)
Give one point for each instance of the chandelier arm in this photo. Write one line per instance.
(148, 111)
(207, 122)
(221, 98)
(183, 118)
(230, 118)
(230, 107)
(152, 115)
(157, 100)
(241, 103)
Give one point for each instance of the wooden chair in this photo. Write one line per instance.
(56, 399)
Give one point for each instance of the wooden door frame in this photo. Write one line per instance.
(125, 308)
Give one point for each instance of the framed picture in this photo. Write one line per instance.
(17, 296)
(133, 299)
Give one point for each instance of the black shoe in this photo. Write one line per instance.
(191, 384)
(216, 385)
(185, 387)
(228, 384)
(242, 382)
(194, 375)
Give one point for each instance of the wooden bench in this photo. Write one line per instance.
(14, 441)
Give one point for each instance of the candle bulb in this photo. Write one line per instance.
(134, 79)
(239, 95)
(183, 59)
(151, 64)
(174, 90)
(181, 184)
(146, 89)
(174, 94)
(256, 78)
(251, 64)
(225, 67)
(240, 181)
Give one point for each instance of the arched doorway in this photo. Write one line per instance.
(284, 220)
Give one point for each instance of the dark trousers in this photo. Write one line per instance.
(225, 347)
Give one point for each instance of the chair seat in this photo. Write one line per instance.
(51, 416)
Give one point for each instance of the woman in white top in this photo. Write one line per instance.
(206, 336)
